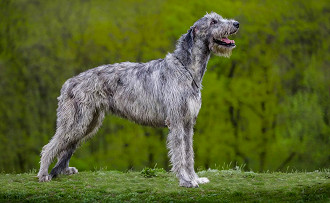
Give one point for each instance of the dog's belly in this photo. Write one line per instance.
(141, 110)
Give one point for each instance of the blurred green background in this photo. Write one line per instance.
(267, 107)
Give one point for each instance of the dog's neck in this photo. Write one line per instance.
(193, 57)
(200, 56)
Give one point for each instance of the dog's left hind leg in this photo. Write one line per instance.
(62, 166)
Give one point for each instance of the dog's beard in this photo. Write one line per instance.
(220, 50)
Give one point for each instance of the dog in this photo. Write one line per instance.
(160, 93)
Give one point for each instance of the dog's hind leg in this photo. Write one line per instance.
(75, 122)
(62, 166)
(49, 152)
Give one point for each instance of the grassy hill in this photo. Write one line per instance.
(160, 186)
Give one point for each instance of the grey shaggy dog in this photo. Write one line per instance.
(160, 93)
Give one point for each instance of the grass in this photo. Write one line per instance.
(159, 186)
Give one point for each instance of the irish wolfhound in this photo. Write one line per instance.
(159, 93)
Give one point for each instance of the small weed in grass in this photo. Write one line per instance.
(151, 172)
(148, 172)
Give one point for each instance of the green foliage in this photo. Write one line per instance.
(148, 172)
(265, 108)
(151, 172)
(114, 186)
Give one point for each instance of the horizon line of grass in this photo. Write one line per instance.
(154, 184)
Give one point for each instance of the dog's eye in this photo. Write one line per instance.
(214, 22)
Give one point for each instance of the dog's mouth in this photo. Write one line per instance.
(225, 42)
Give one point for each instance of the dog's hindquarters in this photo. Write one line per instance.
(77, 119)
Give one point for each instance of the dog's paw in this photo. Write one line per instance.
(202, 180)
(70, 171)
(45, 178)
(190, 183)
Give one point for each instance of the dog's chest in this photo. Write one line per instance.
(194, 105)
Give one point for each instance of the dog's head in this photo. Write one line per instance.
(213, 31)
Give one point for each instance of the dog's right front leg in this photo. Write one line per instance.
(178, 157)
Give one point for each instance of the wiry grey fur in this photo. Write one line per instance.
(159, 93)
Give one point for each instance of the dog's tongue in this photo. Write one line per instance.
(228, 41)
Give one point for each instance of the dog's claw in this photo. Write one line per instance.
(190, 184)
(70, 171)
(202, 180)
(45, 178)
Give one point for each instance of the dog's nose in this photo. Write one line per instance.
(236, 24)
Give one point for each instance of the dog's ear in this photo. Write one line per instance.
(190, 37)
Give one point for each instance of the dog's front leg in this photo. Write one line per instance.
(176, 143)
(189, 132)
